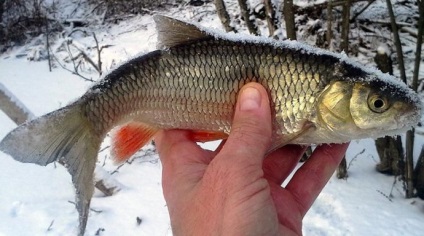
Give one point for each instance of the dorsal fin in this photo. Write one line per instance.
(172, 32)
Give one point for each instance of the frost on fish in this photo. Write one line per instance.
(192, 83)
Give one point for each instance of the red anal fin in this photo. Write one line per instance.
(206, 136)
(129, 138)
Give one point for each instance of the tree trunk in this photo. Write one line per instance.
(13, 108)
(2, 32)
(246, 12)
(390, 151)
(221, 10)
(329, 33)
(419, 175)
(271, 20)
(1, 9)
(419, 46)
(344, 44)
(397, 42)
(419, 168)
(342, 169)
(288, 13)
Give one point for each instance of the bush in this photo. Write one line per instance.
(22, 20)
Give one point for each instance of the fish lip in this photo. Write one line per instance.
(410, 118)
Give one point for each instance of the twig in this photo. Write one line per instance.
(48, 46)
(91, 209)
(105, 190)
(73, 72)
(101, 150)
(354, 158)
(389, 23)
(72, 58)
(99, 231)
(99, 51)
(361, 11)
(410, 31)
(87, 58)
(50, 226)
(385, 195)
(147, 153)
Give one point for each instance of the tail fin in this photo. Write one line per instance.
(63, 135)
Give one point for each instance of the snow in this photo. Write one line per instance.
(383, 49)
(37, 200)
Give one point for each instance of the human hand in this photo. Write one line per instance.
(235, 190)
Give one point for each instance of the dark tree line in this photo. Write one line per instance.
(21, 20)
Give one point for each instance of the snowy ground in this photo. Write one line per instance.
(38, 200)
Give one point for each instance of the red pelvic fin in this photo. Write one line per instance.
(128, 139)
(206, 136)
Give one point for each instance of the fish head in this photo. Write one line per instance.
(361, 108)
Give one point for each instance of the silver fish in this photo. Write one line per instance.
(192, 82)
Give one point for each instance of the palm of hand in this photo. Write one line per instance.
(206, 192)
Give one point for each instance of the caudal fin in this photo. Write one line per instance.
(63, 135)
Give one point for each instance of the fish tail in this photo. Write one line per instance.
(66, 136)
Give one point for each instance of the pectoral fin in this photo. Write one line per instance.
(288, 138)
(206, 136)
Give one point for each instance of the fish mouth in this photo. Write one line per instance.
(409, 119)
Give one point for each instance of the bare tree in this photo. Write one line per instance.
(344, 44)
(1, 9)
(246, 12)
(223, 15)
(419, 175)
(270, 17)
(419, 169)
(288, 12)
(329, 33)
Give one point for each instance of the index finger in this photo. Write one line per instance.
(311, 178)
(175, 146)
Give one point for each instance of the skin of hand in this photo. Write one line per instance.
(235, 190)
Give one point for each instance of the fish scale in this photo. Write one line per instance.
(192, 82)
(178, 81)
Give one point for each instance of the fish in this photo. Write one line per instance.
(191, 82)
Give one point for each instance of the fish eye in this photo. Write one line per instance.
(378, 104)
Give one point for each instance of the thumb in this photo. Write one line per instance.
(251, 130)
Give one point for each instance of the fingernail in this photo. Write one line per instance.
(250, 99)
